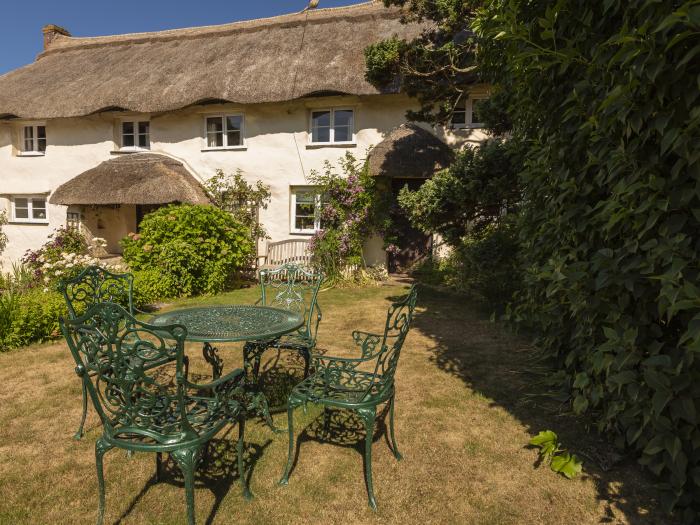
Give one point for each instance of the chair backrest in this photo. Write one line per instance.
(288, 251)
(95, 285)
(122, 363)
(295, 288)
(398, 322)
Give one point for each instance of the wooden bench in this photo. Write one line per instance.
(287, 251)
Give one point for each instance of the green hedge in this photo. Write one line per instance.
(33, 318)
(606, 97)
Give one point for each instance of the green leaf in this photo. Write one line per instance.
(580, 404)
(567, 464)
(545, 436)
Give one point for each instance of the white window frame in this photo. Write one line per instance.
(332, 129)
(34, 151)
(226, 145)
(30, 209)
(293, 190)
(469, 114)
(135, 122)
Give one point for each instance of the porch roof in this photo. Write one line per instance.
(409, 152)
(137, 178)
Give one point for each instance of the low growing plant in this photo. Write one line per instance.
(3, 236)
(559, 459)
(196, 249)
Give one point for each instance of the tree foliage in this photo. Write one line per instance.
(605, 95)
(438, 67)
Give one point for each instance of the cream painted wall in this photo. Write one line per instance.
(276, 151)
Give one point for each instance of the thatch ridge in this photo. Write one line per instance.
(137, 178)
(409, 152)
(246, 62)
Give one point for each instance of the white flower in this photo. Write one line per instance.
(46, 290)
(58, 272)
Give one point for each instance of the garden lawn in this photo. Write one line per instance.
(467, 405)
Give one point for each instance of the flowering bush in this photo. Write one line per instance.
(346, 216)
(196, 249)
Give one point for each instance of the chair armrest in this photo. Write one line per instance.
(228, 378)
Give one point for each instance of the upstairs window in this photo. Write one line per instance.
(468, 115)
(34, 140)
(306, 210)
(332, 126)
(27, 208)
(224, 131)
(136, 134)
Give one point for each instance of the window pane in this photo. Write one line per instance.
(144, 127)
(143, 141)
(215, 124)
(41, 132)
(127, 128)
(343, 117)
(41, 145)
(28, 132)
(321, 118)
(477, 105)
(21, 208)
(128, 141)
(343, 134)
(215, 140)
(459, 117)
(304, 223)
(39, 208)
(234, 123)
(234, 138)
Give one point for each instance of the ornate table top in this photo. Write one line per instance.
(232, 323)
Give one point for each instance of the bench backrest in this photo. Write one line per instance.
(288, 251)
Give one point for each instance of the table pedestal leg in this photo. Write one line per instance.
(211, 356)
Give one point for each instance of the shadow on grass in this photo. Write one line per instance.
(502, 367)
(217, 472)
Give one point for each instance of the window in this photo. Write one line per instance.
(29, 209)
(136, 134)
(306, 210)
(468, 114)
(34, 140)
(224, 131)
(330, 126)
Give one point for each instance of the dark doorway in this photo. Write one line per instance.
(144, 209)
(414, 245)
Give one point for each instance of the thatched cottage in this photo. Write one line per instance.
(98, 131)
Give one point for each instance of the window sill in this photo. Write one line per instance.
(31, 154)
(469, 127)
(307, 232)
(129, 151)
(319, 145)
(231, 148)
(29, 223)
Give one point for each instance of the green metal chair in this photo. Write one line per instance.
(358, 384)
(91, 286)
(144, 402)
(295, 288)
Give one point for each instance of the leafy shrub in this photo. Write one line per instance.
(196, 249)
(150, 286)
(3, 236)
(605, 95)
(29, 317)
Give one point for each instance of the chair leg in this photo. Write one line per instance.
(290, 451)
(239, 449)
(187, 460)
(159, 465)
(368, 416)
(306, 354)
(101, 447)
(79, 433)
(394, 446)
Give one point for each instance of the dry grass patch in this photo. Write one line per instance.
(462, 427)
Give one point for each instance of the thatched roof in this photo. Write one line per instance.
(138, 178)
(244, 62)
(409, 151)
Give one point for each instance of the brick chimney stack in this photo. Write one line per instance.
(51, 32)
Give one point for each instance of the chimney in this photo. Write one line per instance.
(51, 33)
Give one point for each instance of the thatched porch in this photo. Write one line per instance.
(109, 200)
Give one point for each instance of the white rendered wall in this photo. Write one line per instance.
(276, 151)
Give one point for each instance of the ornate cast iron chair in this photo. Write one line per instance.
(358, 384)
(295, 288)
(143, 405)
(91, 286)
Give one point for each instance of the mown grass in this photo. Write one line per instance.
(462, 426)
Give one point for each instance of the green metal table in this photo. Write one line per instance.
(230, 324)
